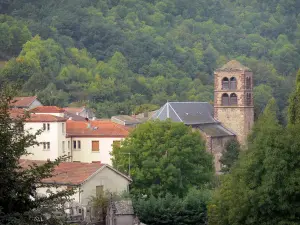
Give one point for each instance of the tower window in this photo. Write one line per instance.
(248, 83)
(233, 99)
(232, 83)
(225, 99)
(225, 83)
(248, 99)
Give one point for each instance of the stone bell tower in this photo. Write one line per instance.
(233, 99)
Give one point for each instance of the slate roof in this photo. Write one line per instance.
(215, 130)
(22, 102)
(125, 120)
(70, 173)
(233, 65)
(95, 128)
(190, 113)
(123, 207)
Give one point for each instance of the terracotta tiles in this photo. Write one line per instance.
(74, 109)
(69, 173)
(35, 118)
(23, 102)
(47, 109)
(95, 128)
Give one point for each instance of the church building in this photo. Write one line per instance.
(232, 115)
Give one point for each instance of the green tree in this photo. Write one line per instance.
(170, 210)
(294, 103)
(262, 187)
(164, 157)
(19, 202)
(230, 156)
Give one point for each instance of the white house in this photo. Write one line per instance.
(88, 179)
(92, 140)
(53, 142)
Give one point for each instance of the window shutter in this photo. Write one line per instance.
(95, 146)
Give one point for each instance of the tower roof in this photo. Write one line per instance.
(233, 65)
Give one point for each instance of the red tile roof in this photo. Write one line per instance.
(17, 113)
(95, 128)
(74, 109)
(23, 102)
(36, 118)
(47, 109)
(70, 173)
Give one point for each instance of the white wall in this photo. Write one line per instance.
(85, 154)
(111, 181)
(35, 104)
(55, 136)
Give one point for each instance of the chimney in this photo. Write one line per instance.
(77, 113)
(70, 118)
(94, 118)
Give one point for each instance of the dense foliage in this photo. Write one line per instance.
(170, 210)
(230, 155)
(19, 202)
(263, 187)
(166, 157)
(118, 54)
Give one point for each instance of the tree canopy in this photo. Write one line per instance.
(262, 188)
(165, 157)
(117, 55)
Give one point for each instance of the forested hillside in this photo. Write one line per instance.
(115, 55)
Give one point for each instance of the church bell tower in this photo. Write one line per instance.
(233, 99)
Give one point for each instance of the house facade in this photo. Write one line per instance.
(87, 179)
(93, 140)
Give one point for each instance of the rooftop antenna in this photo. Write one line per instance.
(129, 162)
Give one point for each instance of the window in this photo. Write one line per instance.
(63, 146)
(46, 145)
(79, 144)
(95, 146)
(117, 143)
(248, 83)
(232, 83)
(48, 126)
(74, 144)
(225, 83)
(68, 145)
(44, 126)
(99, 190)
(248, 99)
(225, 99)
(63, 127)
(233, 99)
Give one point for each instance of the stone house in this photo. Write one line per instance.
(232, 115)
(81, 111)
(120, 213)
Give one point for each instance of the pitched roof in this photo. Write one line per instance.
(73, 116)
(35, 118)
(95, 128)
(23, 102)
(233, 65)
(190, 113)
(126, 120)
(47, 109)
(215, 130)
(70, 173)
(74, 110)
